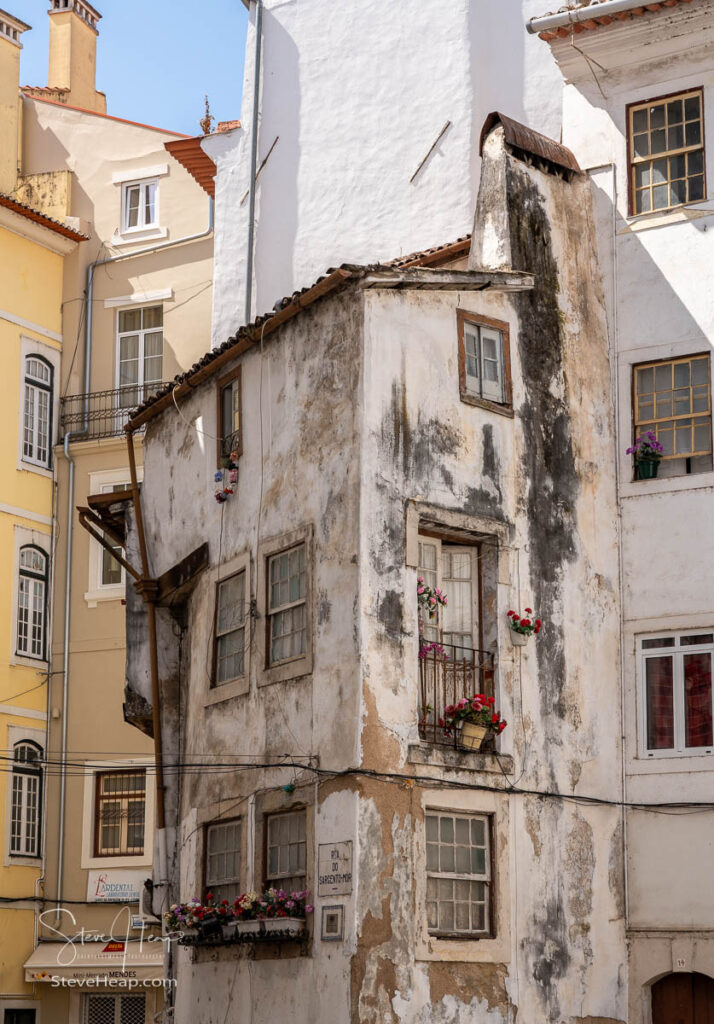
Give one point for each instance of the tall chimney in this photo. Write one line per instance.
(73, 53)
(10, 31)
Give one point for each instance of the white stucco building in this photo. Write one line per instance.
(623, 75)
(356, 96)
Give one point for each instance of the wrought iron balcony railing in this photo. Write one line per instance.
(446, 674)
(108, 410)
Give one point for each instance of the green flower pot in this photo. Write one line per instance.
(647, 468)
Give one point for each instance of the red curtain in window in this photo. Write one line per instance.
(698, 699)
(660, 703)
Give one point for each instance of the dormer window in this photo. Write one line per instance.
(666, 152)
(140, 206)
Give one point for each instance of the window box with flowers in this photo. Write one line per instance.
(271, 916)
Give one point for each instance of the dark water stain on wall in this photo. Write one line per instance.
(549, 460)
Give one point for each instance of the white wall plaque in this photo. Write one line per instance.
(334, 869)
(115, 885)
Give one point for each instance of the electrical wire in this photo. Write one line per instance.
(398, 778)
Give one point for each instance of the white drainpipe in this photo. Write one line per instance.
(549, 22)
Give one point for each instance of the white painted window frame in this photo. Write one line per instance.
(30, 347)
(677, 652)
(143, 225)
(98, 592)
(35, 390)
(19, 734)
(271, 819)
(485, 877)
(22, 538)
(24, 775)
(33, 578)
(142, 332)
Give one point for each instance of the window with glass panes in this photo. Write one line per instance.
(483, 359)
(286, 851)
(32, 603)
(111, 572)
(287, 611)
(676, 693)
(20, 1016)
(458, 874)
(454, 569)
(673, 400)
(140, 206)
(666, 139)
(229, 415)
(230, 629)
(26, 808)
(223, 860)
(105, 1009)
(120, 814)
(140, 356)
(37, 413)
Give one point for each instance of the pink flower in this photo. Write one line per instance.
(420, 590)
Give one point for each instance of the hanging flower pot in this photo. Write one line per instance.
(522, 627)
(472, 735)
(518, 639)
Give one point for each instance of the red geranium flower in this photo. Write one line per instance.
(495, 717)
(529, 610)
(511, 613)
(525, 622)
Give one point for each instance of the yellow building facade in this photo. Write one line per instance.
(32, 254)
(87, 330)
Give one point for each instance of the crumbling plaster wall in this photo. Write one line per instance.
(307, 474)
(547, 475)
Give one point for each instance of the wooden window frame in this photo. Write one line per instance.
(271, 815)
(504, 408)
(631, 163)
(98, 775)
(215, 684)
(649, 424)
(208, 825)
(221, 384)
(489, 818)
(299, 666)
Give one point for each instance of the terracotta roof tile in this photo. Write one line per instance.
(598, 21)
(41, 218)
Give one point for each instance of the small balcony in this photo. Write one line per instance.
(108, 410)
(446, 674)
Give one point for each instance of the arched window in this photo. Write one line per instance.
(32, 602)
(26, 815)
(37, 418)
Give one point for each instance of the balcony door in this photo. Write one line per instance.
(454, 569)
(683, 998)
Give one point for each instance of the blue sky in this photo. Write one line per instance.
(156, 59)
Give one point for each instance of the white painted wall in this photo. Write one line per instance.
(357, 93)
(655, 269)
